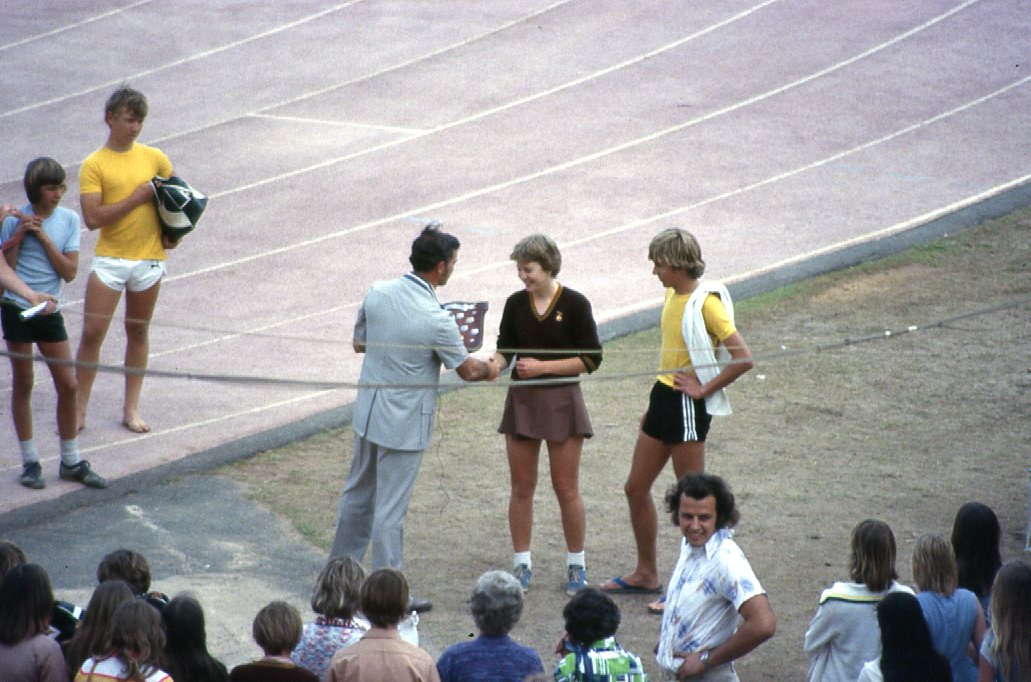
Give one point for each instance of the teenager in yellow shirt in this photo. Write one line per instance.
(697, 328)
(117, 198)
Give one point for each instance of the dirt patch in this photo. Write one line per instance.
(838, 422)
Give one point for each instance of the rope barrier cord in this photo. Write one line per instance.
(248, 380)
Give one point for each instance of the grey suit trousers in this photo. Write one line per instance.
(374, 503)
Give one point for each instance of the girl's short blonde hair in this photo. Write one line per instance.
(541, 249)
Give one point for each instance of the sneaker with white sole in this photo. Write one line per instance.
(82, 473)
(32, 476)
(576, 579)
(523, 574)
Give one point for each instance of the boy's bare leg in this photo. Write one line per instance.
(650, 457)
(64, 382)
(100, 305)
(21, 390)
(139, 308)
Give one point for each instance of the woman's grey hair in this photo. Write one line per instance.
(496, 603)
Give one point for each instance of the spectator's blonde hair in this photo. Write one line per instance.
(338, 588)
(934, 566)
(1011, 604)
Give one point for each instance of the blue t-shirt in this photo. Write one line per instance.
(33, 266)
(951, 621)
(488, 659)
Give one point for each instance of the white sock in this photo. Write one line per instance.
(575, 559)
(522, 558)
(70, 452)
(28, 451)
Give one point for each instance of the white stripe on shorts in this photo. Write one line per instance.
(687, 410)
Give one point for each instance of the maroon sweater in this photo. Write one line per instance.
(567, 325)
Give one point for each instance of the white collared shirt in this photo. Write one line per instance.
(706, 590)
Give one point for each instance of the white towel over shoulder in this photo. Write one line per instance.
(706, 360)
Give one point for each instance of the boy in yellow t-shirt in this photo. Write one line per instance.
(677, 421)
(117, 198)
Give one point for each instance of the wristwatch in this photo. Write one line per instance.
(704, 659)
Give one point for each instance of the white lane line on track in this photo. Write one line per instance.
(467, 273)
(202, 422)
(642, 305)
(69, 27)
(336, 86)
(184, 60)
(490, 189)
(897, 228)
(504, 107)
(339, 124)
(374, 74)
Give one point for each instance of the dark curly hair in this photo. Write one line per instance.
(698, 487)
(432, 246)
(591, 615)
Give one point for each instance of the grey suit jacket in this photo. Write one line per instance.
(407, 336)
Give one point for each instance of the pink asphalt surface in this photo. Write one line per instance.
(326, 134)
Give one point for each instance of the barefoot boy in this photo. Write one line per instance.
(117, 198)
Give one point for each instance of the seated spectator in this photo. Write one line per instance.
(1006, 649)
(186, 648)
(90, 637)
(953, 614)
(132, 567)
(277, 629)
(843, 634)
(65, 617)
(381, 655)
(716, 610)
(496, 604)
(11, 555)
(136, 645)
(976, 535)
(335, 598)
(592, 619)
(907, 653)
(27, 653)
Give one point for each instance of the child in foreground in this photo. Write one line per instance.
(592, 652)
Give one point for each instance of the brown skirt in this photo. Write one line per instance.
(555, 413)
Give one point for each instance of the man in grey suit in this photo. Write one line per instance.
(405, 335)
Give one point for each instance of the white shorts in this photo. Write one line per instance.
(121, 273)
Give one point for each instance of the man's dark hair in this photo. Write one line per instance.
(698, 487)
(590, 615)
(431, 247)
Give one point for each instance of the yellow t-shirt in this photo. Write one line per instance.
(115, 175)
(674, 353)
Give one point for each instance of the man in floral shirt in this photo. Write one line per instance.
(716, 610)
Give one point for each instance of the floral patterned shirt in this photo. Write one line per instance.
(323, 638)
(706, 590)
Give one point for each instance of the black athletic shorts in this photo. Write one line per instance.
(37, 329)
(674, 418)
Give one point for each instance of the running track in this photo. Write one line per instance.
(326, 134)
